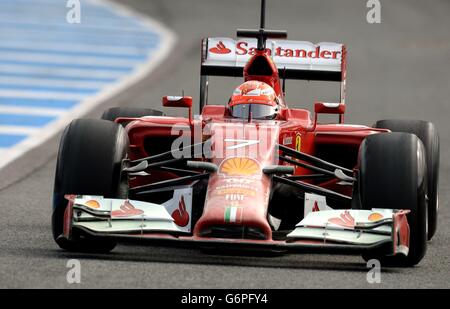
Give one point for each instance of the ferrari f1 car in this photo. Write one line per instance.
(252, 173)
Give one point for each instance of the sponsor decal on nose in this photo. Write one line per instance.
(240, 167)
(233, 214)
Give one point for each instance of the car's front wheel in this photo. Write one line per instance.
(89, 162)
(393, 175)
(427, 133)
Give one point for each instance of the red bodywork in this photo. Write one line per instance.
(239, 182)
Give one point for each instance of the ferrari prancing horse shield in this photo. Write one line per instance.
(298, 142)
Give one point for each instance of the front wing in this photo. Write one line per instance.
(383, 231)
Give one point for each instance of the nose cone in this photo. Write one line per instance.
(236, 205)
(238, 194)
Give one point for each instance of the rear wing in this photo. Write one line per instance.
(294, 59)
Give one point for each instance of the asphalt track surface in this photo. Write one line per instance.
(397, 69)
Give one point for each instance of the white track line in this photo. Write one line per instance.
(42, 94)
(50, 82)
(72, 47)
(6, 109)
(65, 59)
(168, 39)
(12, 24)
(87, 21)
(17, 130)
(38, 33)
(92, 22)
(19, 68)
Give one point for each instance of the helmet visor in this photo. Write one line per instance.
(259, 111)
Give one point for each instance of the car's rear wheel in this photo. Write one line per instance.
(89, 162)
(428, 134)
(129, 112)
(393, 176)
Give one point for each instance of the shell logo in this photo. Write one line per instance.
(240, 167)
(373, 217)
(92, 204)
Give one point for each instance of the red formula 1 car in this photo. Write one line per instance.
(251, 173)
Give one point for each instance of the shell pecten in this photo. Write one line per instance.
(240, 166)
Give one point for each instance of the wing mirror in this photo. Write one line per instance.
(178, 101)
(329, 108)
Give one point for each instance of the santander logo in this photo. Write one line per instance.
(243, 49)
(344, 220)
(316, 207)
(220, 48)
(180, 215)
(296, 51)
(126, 210)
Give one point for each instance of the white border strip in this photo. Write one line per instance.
(48, 82)
(12, 130)
(168, 39)
(27, 110)
(30, 94)
(63, 59)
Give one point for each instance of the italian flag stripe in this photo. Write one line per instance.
(233, 214)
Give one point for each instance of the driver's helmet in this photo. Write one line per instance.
(254, 97)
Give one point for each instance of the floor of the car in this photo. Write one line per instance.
(280, 235)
